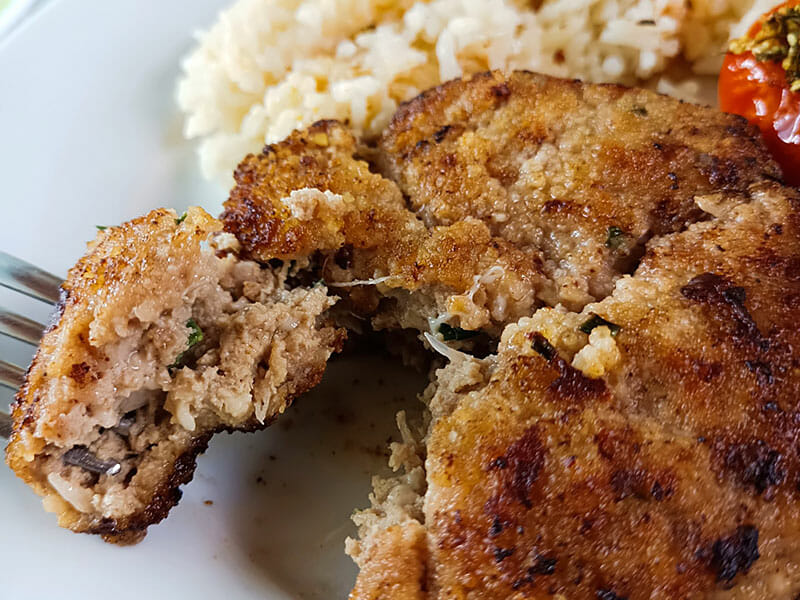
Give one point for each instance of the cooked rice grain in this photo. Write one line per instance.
(270, 66)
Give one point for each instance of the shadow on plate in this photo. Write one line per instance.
(307, 474)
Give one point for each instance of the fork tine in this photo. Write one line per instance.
(5, 425)
(20, 327)
(11, 376)
(23, 277)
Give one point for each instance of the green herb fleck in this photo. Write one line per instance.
(450, 333)
(543, 347)
(615, 238)
(639, 111)
(598, 321)
(101, 227)
(180, 219)
(195, 337)
(779, 41)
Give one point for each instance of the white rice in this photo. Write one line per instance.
(270, 66)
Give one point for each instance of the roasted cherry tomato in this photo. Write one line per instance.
(760, 80)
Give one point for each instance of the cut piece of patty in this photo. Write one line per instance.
(653, 457)
(164, 336)
(584, 173)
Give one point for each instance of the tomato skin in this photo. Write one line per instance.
(758, 91)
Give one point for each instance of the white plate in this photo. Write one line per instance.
(12, 11)
(89, 134)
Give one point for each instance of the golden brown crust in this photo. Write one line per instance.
(672, 474)
(556, 163)
(396, 566)
(321, 158)
(115, 263)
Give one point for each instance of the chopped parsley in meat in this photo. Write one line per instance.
(598, 321)
(450, 333)
(195, 337)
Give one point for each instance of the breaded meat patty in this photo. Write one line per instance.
(164, 336)
(612, 277)
(645, 448)
(634, 436)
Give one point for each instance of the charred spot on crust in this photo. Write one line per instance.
(735, 554)
(501, 92)
(722, 294)
(81, 373)
(441, 133)
(420, 145)
(543, 565)
(605, 594)
(557, 206)
(674, 179)
(658, 492)
(720, 171)
(573, 384)
(522, 463)
(518, 583)
(498, 463)
(500, 554)
(496, 528)
(762, 370)
(754, 464)
(713, 288)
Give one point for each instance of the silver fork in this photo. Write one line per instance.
(32, 281)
